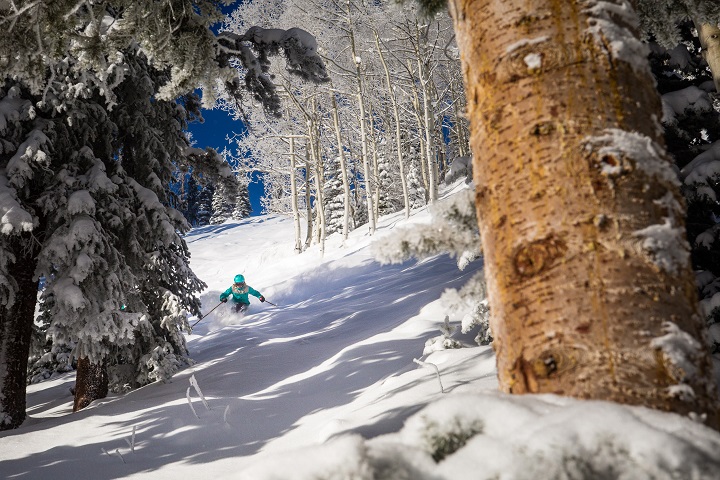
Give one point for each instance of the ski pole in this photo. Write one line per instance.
(271, 303)
(203, 316)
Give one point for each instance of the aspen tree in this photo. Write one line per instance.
(581, 219)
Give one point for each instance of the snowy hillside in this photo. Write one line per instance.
(324, 386)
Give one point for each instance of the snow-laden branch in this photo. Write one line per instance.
(256, 45)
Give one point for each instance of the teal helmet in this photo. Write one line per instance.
(239, 279)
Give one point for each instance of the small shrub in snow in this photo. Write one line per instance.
(189, 400)
(444, 341)
(394, 461)
(131, 441)
(444, 440)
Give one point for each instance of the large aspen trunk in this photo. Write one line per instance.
(710, 41)
(16, 322)
(581, 219)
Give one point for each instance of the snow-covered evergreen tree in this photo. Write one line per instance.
(25, 160)
(242, 209)
(166, 286)
(92, 279)
(113, 318)
(691, 120)
(334, 197)
(47, 358)
(90, 132)
(222, 204)
(189, 199)
(179, 41)
(204, 208)
(391, 195)
(416, 186)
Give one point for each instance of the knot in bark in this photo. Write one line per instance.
(532, 258)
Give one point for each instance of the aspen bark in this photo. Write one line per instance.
(343, 169)
(710, 42)
(458, 122)
(572, 186)
(308, 202)
(398, 134)
(375, 188)
(429, 122)
(421, 137)
(363, 126)
(294, 197)
(319, 197)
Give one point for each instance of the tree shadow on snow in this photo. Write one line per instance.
(313, 352)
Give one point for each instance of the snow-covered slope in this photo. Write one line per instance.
(343, 325)
(324, 386)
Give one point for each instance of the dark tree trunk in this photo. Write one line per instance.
(15, 332)
(91, 383)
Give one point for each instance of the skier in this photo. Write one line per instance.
(239, 292)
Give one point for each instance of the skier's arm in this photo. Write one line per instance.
(225, 294)
(252, 291)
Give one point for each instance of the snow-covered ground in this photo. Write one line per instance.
(324, 386)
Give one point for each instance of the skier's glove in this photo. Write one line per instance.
(262, 299)
(224, 300)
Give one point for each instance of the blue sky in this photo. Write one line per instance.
(218, 126)
(213, 133)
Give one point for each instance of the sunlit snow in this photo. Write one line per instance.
(325, 385)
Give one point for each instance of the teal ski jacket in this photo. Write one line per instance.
(240, 294)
